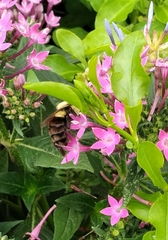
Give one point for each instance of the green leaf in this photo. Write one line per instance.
(132, 182)
(31, 77)
(3, 160)
(134, 115)
(158, 217)
(6, 226)
(59, 65)
(78, 201)
(61, 91)
(161, 12)
(29, 195)
(40, 152)
(71, 43)
(96, 4)
(114, 11)
(140, 210)
(151, 159)
(66, 222)
(92, 72)
(49, 184)
(96, 41)
(150, 236)
(129, 80)
(3, 130)
(11, 183)
(17, 127)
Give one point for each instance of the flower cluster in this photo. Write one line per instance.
(18, 103)
(25, 20)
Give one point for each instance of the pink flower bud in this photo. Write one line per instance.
(6, 104)
(26, 102)
(13, 111)
(19, 81)
(21, 117)
(36, 104)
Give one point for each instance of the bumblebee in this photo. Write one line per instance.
(59, 124)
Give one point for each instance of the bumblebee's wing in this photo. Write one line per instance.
(47, 120)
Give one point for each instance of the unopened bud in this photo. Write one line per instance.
(11, 117)
(26, 102)
(19, 81)
(8, 112)
(13, 111)
(115, 233)
(21, 117)
(6, 104)
(20, 108)
(17, 103)
(32, 114)
(14, 98)
(27, 120)
(10, 91)
(36, 104)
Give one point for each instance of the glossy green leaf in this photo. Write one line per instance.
(96, 41)
(140, 210)
(31, 77)
(158, 217)
(161, 12)
(61, 91)
(59, 65)
(96, 4)
(150, 236)
(66, 222)
(78, 201)
(134, 115)
(92, 72)
(11, 183)
(151, 159)
(114, 11)
(129, 80)
(71, 43)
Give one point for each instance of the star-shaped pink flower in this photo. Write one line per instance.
(115, 210)
(163, 143)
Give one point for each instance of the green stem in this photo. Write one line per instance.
(45, 207)
(13, 135)
(34, 208)
(15, 207)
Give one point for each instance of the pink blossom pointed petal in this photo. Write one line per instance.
(106, 211)
(98, 145)
(114, 219)
(166, 153)
(162, 134)
(112, 201)
(124, 213)
(110, 149)
(99, 132)
(160, 145)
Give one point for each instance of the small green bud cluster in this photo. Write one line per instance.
(149, 130)
(21, 104)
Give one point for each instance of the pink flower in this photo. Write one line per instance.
(80, 122)
(5, 21)
(115, 210)
(35, 59)
(119, 115)
(74, 148)
(25, 7)
(107, 140)
(102, 73)
(22, 26)
(52, 20)
(34, 235)
(36, 36)
(163, 143)
(3, 46)
(4, 4)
